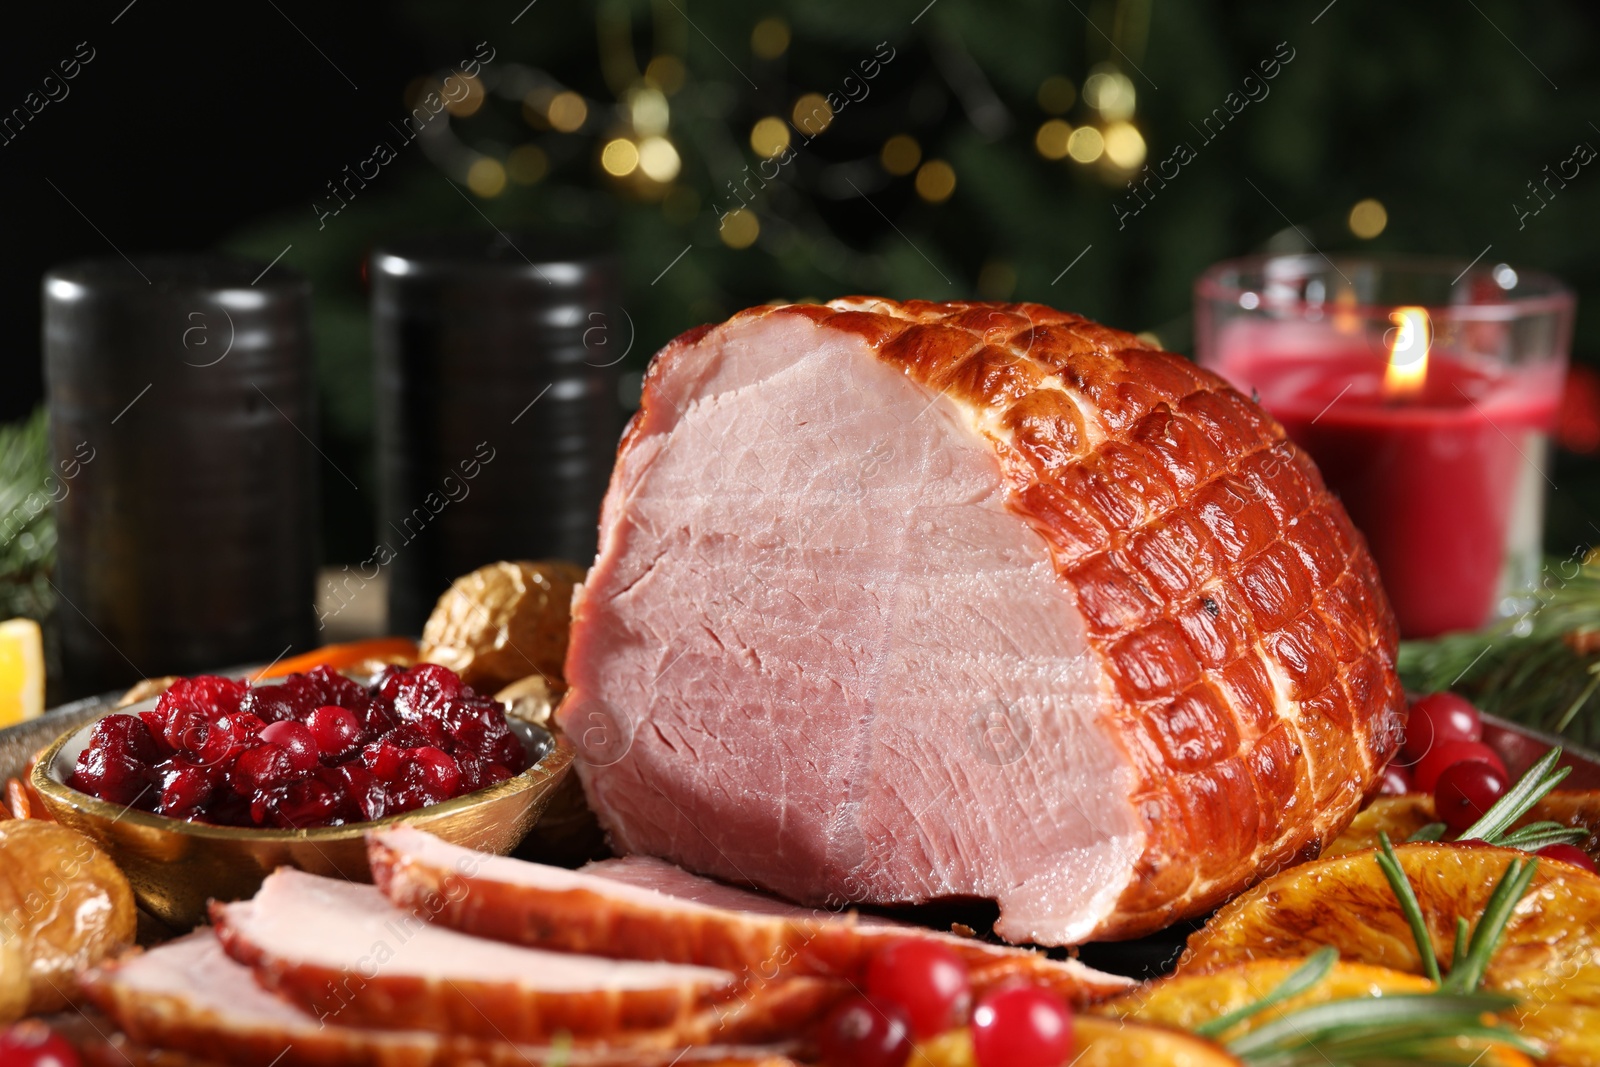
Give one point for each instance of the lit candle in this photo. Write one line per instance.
(1431, 423)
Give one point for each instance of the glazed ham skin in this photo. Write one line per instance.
(343, 952)
(646, 909)
(901, 602)
(188, 996)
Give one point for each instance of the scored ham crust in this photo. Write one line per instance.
(902, 602)
(646, 909)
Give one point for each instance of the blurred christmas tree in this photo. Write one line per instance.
(734, 155)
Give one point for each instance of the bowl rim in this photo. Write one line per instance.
(560, 755)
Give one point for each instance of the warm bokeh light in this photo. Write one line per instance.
(1111, 93)
(468, 104)
(665, 73)
(997, 280)
(658, 159)
(1056, 95)
(769, 136)
(648, 110)
(1368, 218)
(1086, 145)
(812, 114)
(770, 38)
(567, 112)
(486, 177)
(1408, 352)
(740, 228)
(901, 154)
(1124, 145)
(1051, 140)
(936, 180)
(619, 157)
(526, 164)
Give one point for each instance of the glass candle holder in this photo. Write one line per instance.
(1426, 390)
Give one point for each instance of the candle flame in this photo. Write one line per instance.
(1408, 352)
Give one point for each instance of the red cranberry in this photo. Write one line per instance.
(260, 769)
(384, 759)
(860, 1033)
(422, 688)
(1021, 1026)
(33, 1044)
(307, 802)
(1436, 719)
(1465, 791)
(494, 772)
(1568, 854)
(334, 729)
(436, 771)
(1395, 781)
(1425, 775)
(296, 742)
(185, 787)
(361, 796)
(509, 752)
(927, 980)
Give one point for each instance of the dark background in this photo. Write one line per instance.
(205, 125)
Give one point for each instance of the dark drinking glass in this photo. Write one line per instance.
(181, 419)
(497, 366)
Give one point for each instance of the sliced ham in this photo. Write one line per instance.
(647, 909)
(903, 602)
(188, 997)
(344, 953)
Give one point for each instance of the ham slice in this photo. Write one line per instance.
(342, 952)
(646, 909)
(189, 997)
(902, 602)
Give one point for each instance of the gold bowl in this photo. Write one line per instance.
(175, 867)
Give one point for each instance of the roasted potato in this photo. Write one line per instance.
(63, 906)
(504, 622)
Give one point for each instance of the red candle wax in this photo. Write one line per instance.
(1430, 479)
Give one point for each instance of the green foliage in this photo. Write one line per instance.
(27, 526)
(1533, 669)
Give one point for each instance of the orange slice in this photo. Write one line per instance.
(21, 671)
(1096, 1043)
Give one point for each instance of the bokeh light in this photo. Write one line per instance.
(936, 180)
(901, 154)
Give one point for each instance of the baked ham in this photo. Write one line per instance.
(343, 953)
(646, 909)
(189, 997)
(903, 602)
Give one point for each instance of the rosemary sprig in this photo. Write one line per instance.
(1302, 978)
(1400, 1026)
(1396, 1028)
(1494, 828)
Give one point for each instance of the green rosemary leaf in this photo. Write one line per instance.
(1532, 788)
(1407, 898)
(1434, 831)
(1460, 951)
(1508, 892)
(1536, 835)
(1395, 1017)
(1302, 978)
